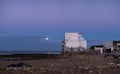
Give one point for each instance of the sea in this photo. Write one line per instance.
(28, 52)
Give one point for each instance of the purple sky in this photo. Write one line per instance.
(96, 19)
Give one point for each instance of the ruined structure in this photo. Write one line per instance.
(113, 45)
(73, 42)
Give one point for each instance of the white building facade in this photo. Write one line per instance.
(74, 41)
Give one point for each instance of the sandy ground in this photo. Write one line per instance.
(74, 64)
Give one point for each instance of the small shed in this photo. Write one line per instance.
(99, 48)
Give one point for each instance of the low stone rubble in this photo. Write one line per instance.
(65, 69)
(78, 64)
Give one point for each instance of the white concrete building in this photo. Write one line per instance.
(113, 45)
(74, 41)
(82, 42)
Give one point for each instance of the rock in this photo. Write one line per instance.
(118, 65)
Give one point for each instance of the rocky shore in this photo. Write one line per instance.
(74, 64)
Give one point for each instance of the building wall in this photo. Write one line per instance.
(108, 45)
(71, 40)
(116, 44)
(112, 45)
(100, 49)
(83, 44)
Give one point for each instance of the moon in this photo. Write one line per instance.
(47, 38)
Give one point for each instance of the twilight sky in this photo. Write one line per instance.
(96, 19)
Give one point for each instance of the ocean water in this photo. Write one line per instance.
(29, 43)
(28, 52)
